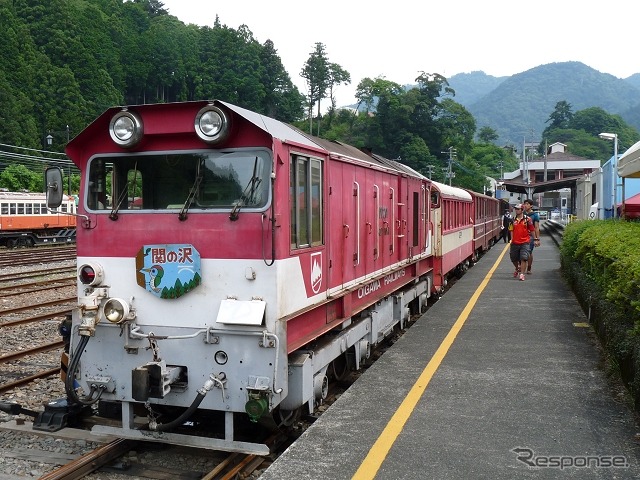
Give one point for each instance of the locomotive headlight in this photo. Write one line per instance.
(125, 128)
(91, 274)
(115, 310)
(212, 124)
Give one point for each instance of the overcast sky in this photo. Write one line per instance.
(399, 39)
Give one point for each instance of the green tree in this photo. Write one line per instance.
(370, 90)
(560, 117)
(282, 99)
(154, 8)
(487, 135)
(18, 177)
(337, 76)
(317, 75)
(456, 125)
(580, 133)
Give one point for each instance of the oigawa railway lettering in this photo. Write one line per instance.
(376, 284)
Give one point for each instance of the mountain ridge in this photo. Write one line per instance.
(517, 107)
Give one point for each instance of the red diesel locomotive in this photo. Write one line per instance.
(229, 264)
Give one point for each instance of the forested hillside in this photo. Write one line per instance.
(64, 62)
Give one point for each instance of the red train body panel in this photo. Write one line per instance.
(250, 257)
(487, 221)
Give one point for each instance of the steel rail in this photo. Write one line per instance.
(91, 461)
(44, 304)
(32, 351)
(42, 316)
(45, 373)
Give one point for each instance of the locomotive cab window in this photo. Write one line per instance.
(306, 187)
(204, 180)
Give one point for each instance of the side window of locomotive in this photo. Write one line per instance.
(4, 209)
(305, 197)
(98, 195)
(416, 219)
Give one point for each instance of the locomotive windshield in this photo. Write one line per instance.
(209, 180)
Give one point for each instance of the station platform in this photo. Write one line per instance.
(500, 379)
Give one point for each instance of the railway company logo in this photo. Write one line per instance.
(316, 271)
(168, 271)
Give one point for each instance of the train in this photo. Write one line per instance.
(230, 265)
(25, 220)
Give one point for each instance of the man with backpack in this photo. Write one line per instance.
(519, 251)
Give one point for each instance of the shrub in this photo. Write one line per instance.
(601, 260)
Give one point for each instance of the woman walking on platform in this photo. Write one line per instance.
(507, 225)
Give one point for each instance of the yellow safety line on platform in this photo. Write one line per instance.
(372, 462)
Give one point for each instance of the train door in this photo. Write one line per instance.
(426, 218)
(336, 236)
(360, 204)
(371, 234)
(401, 220)
(391, 221)
(350, 208)
(415, 219)
(436, 221)
(384, 223)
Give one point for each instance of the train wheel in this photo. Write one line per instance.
(286, 418)
(25, 242)
(12, 243)
(339, 367)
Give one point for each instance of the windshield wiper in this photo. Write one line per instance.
(182, 216)
(248, 193)
(116, 206)
(124, 194)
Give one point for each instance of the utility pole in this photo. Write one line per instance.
(525, 170)
(429, 170)
(449, 172)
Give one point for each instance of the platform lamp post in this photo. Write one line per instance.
(614, 137)
(49, 141)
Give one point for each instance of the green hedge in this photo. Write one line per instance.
(601, 260)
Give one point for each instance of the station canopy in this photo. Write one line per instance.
(629, 163)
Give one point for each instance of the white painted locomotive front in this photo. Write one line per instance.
(185, 332)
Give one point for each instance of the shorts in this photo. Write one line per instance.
(519, 252)
(532, 244)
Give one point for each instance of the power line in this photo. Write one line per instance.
(32, 160)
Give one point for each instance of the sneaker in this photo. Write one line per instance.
(528, 271)
(515, 274)
(522, 277)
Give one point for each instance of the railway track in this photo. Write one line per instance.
(12, 258)
(112, 458)
(32, 300)
(26, 308)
